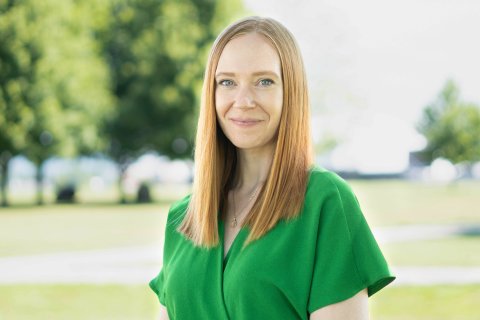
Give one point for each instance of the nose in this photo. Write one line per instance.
(244, 98)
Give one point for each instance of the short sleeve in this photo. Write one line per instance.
(175, 213)
(156, 284)
(347, 256)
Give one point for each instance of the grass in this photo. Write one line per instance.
(395, 202)
(426, 303)
(384, 202)
(165, 193)
(455, 251)
(53, 228)
(35, 230)
(138, 302)
(82, 302)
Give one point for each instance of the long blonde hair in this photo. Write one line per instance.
(283, 193)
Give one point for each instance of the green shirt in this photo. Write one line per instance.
(325, 255)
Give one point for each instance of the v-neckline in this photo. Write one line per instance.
(226, 258)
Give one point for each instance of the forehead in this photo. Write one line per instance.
(249, 53)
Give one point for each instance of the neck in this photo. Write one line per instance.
(253, 167)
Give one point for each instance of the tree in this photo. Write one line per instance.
(157, 52)
(17, 55)
(451, 127)
(54, 86)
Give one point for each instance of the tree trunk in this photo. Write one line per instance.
(39, 179)
(143, 193)
(4, 182)
(121, 175)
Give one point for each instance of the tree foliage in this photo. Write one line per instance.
(54, 85)
(451, 127)
(157, 52)
(78, 77)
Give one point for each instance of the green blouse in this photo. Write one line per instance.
(325, 255)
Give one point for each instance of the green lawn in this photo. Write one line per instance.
(53, 228)
(394, 202)
(85, 302)
(427, 303)
(454, 251)
(82, 302)
(384, 202)
(110, 195)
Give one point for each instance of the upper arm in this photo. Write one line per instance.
(347, 257)
(354, 308)
(163, 313)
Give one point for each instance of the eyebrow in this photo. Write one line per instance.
(258, 73)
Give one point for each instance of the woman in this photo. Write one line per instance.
(265, 234)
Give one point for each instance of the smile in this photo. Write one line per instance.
(245, 123)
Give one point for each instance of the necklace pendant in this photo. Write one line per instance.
(234, 223)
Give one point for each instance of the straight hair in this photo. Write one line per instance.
(283, 193)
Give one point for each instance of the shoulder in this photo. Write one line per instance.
(328, 183)
(177, 211)
(330, 196)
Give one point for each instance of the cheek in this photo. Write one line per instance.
(278, 105)
(220, 103)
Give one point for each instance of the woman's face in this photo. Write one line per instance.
(249, 91)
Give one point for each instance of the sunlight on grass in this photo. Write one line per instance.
(80, 302)
(427, 303)
(395, 202)
(138, 302)
(55, 228)
(46, 229)
(458, 251)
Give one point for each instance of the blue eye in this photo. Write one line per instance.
(226, 83)
(265, 82)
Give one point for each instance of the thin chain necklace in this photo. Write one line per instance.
(250, 199)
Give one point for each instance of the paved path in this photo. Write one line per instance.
(423, 232)
(436, 275)
(121, 265)
(137, 265)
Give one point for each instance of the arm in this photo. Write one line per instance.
(355, 308)
(163, 313)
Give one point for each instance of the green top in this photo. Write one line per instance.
(325, 255)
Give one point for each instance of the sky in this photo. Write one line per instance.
(374, 65)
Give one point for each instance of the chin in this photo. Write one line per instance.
(244, 145)
(250, 145)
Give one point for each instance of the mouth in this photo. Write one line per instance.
(245, 122)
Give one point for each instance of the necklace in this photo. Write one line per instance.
(250, 199)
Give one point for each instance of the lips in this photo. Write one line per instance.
(245, 122)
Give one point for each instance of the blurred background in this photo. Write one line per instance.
(98, 107)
